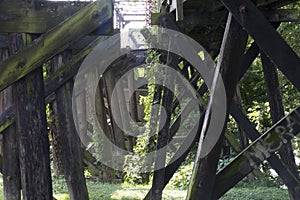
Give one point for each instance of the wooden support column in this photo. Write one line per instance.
(108, 173)
(71, 145)
(133, 104)
(10, 162)
(162, 141)
(277, 112)
(110, 82)
(32, 135)
(266, 37)
(231, 58)
(176, 160)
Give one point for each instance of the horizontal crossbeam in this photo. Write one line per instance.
(34, 16)
(54, 41)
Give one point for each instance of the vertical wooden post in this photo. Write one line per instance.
(32, 136)
(71, 145)
(132, 105)
(11, 168)
(108, 173)
(277, 112)
(231, 57)
(110, 81)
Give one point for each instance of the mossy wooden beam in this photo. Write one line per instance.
(54, 41)
(65, 73)
(260, 150)
(7, 118)
(34, 16)
(283, 15)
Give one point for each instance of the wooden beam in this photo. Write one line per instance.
(230, 63)
(65, 73)
(54, 41)
(257, 152)
(277, 112)
(10, 167)
(68, 136)
(7, 118)
(177, 159)
(283, 15)
(35, 16)
(266, 37)
(283, 171)
(32, 135)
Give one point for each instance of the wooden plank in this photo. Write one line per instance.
(35, 16)
(7, 118)
(66, 72)
(10, 155)
(257, 152)
(277, 112)
(181, 153)
(266, 37)
(283, 171)
(54, 41)
(249, 57)
(230, 62)
(71, 146)
(283, 15)
(32, 136)
(179, 10)
(163, 136)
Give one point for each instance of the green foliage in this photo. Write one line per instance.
(261, 193)
(181, 178)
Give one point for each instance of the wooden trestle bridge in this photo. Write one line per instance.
(58, 35)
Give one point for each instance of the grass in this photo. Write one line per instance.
(102, 191)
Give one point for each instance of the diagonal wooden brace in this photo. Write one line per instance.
(266, 37)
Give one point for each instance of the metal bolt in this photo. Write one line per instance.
(243, 9)
(21, 63)
(95, 14)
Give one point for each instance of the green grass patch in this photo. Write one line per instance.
(103, 191)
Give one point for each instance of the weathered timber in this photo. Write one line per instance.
(277, 112)
(230, 62)
(154, 123)
(54, 41)
(7, 118)
(32, 137)
(257, 152)
(68, 71)
(101, 112)
(35, 16)
(71, 146)
(114, 113)
(163, 138)
(249, 57)
(181, 154)
(55, 143)
(179, 10)
(133, 105)
(10, 159)
(287, 176)
(283, 15)
(254, 22)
